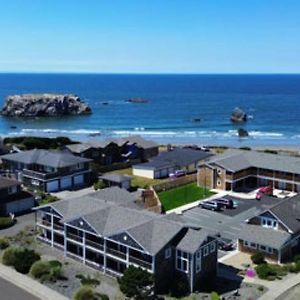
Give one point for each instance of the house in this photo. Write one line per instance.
(47, 170)
(115, 179)
(170, 161)
(13, 199)
(103, 231)
(275, 232)
(133, 148)
(237, 169)
(104, 152)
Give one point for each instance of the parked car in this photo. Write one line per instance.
(212, 205)
(227, 203)
(266, 190)
(177, 173)
(225, 244)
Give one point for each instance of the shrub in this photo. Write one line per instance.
(9, 257)
(214, 296)
(99, 185)
(46, 270)
(6, 222)
(270, 271)
(39, 269)
(4, 243)
(296, 258)
(20, 258)
(87, 280)
(258, 258)
(85, 293)
(103, 296)
(136, 283)
(261, 288)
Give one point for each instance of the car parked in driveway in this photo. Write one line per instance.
(178, 173)
(227, 203)
(266, 190)
(225, 244)
(212, 205)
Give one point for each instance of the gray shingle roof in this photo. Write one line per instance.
(236, 160)
(178, 157)
(288, 211)
(115, 177)
(138, 140)
(193, 240)
(45, 158)
(264, 236)
(106, 211)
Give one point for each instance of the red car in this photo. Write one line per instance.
(266, 190)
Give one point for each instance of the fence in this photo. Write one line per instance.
(168, 185)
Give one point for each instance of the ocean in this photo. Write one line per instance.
(271, 101)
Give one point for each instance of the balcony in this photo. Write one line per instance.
(74, 238)
(116, 253)
(140, 262)
(94, 245)
(46, 224)
(45, 176)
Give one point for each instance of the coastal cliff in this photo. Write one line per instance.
(44, 105)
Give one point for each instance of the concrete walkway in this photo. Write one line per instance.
(181, 209)
(28, 284)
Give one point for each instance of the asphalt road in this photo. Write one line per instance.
(8, 291)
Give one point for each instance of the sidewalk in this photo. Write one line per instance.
(31, 286)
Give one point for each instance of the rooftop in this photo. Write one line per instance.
(116, 177)
(45, 158)
(6, 182)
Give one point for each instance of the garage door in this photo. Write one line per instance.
(19, 206)
(78, 180)
(164, 172)
(52, 186)
(66, 182)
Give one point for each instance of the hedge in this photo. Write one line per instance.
(6, 222)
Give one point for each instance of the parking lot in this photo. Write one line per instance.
(228, 222)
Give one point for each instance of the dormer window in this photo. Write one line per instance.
(269, 223)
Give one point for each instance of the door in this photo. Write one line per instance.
(66, 182)
(78, 180)
(52, 186)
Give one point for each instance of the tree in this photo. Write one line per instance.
(137, 283)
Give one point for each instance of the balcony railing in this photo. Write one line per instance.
(94, 245)
(74, 237)
(47, 224)
(140, 262)
(116, 253)
(44, 175)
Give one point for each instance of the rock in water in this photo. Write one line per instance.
(242, 132)
(44, 105)
(238, 115)
(137, 100)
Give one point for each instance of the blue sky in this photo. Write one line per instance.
(157, 36)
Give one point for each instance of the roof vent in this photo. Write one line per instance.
(81, 223)
(125, 237)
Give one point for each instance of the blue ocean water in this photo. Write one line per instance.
(272, 101)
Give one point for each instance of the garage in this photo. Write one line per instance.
(66, 182)
(78, 180)
(52, 186)
(19, 206)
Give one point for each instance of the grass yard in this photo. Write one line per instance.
(183, 195)
(139, 182)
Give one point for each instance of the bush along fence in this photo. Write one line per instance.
(173, 183)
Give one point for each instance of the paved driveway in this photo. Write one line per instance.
(229, 221)
(73, 194)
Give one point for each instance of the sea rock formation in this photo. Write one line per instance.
(242, 132)
(44, 105)
(238, 115)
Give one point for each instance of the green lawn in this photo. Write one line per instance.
(183, 195)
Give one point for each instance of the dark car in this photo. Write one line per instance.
(227, 203)
(225, 244)
(212, 205)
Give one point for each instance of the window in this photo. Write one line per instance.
(246, 244)
(253, 245)
(206, 251)
(168, 253)
(212, 247)
(198, 261)
(219, 171)
(219, 182)
(266, 249)
(269, 223)
(182, 261)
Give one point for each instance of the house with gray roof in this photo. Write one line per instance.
(168, 162)
(49, 171)
(275, 231)
(116, 179)
(237, 170)
(132, 148)
(13, 200)
(103, 231)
